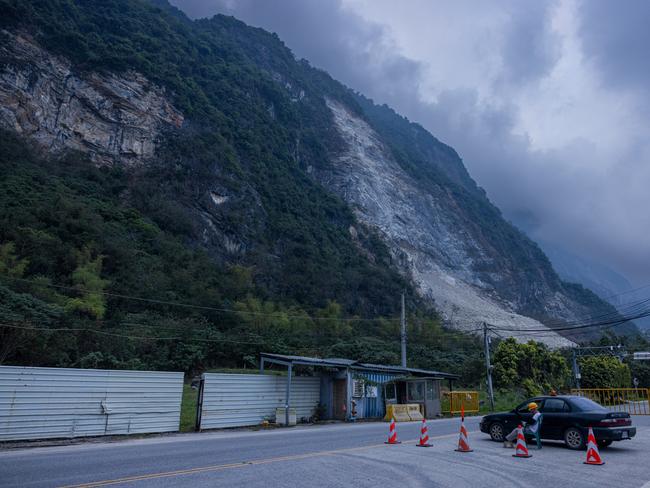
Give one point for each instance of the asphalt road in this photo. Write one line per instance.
(339, 455)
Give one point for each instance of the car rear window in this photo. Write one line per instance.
(587, 405)
(555, 405)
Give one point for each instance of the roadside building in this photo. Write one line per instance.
(290, 389)
(351, 389)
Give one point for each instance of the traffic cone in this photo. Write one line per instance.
(424, 435)
(392, 433)
(463, 440)
(521, 449)
(593, 456)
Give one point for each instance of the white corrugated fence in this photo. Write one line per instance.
(236, 400)
(41, 403)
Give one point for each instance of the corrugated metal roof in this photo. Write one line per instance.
(413, 371)
(344, 361)
(307, 361)
(350, 363)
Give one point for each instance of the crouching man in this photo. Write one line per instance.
(530, 426)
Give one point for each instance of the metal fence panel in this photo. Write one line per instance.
(237, 400)
(634, 401)
(457, 401)
(41, 403)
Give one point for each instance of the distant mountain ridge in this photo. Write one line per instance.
(262, 161)
(604, 281)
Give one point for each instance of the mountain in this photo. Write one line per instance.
(602, 280)
(149, 157)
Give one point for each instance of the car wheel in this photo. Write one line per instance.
(496, 432)
(605, 443)
(574, 438)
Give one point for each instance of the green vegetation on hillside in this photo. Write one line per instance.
(74, 250)
(94, 262)
(104, 234)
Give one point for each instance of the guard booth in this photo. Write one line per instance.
(423, 391)
(352, 390)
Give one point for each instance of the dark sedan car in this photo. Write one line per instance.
(566, 418)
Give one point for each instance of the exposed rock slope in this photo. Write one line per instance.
(114, 118)
(431, 242)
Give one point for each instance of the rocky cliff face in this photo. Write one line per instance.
(113, 118)
(425, 234)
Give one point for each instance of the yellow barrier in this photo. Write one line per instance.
(634, 401)
(462, 399)
(403, 413)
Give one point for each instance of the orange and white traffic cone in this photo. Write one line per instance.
(521, 450)
(392, 433)
(463, 440)
(424, 435)
(593, 456)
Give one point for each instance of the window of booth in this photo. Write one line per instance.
(430, 393)
(391, 392)
(416, 391)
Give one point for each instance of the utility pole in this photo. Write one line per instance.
(576, 369)
(488, 366)
(403, 333)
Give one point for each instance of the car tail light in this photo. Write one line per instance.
(614, 422)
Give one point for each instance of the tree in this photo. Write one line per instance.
(87, 279)
(531, 366)
(19, 313)
(10, 265)
(604, 372)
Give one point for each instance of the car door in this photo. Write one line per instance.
(555, 412)
(521, 414)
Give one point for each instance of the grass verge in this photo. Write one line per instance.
(188, 408)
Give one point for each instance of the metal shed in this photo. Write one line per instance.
(353, 390)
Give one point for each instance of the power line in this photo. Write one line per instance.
(645, 313)
(629, 308)
(126, 336)
(550, 330)
(185, 338)
(636, 312)
(279, 314)
(201, 307)
(626, 292)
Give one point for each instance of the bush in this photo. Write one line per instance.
(531, 366)
(604, 372)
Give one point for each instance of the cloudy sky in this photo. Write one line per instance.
(548, 103)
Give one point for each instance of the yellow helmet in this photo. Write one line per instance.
(532, 405)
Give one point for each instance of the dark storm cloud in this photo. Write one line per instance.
(529, 50)
(616, 36)
(556, 194)
(349, 48)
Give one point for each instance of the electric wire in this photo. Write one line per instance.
(182, 337)
(622, 320)
(634, 309)
(626, 292)
(200, 307)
